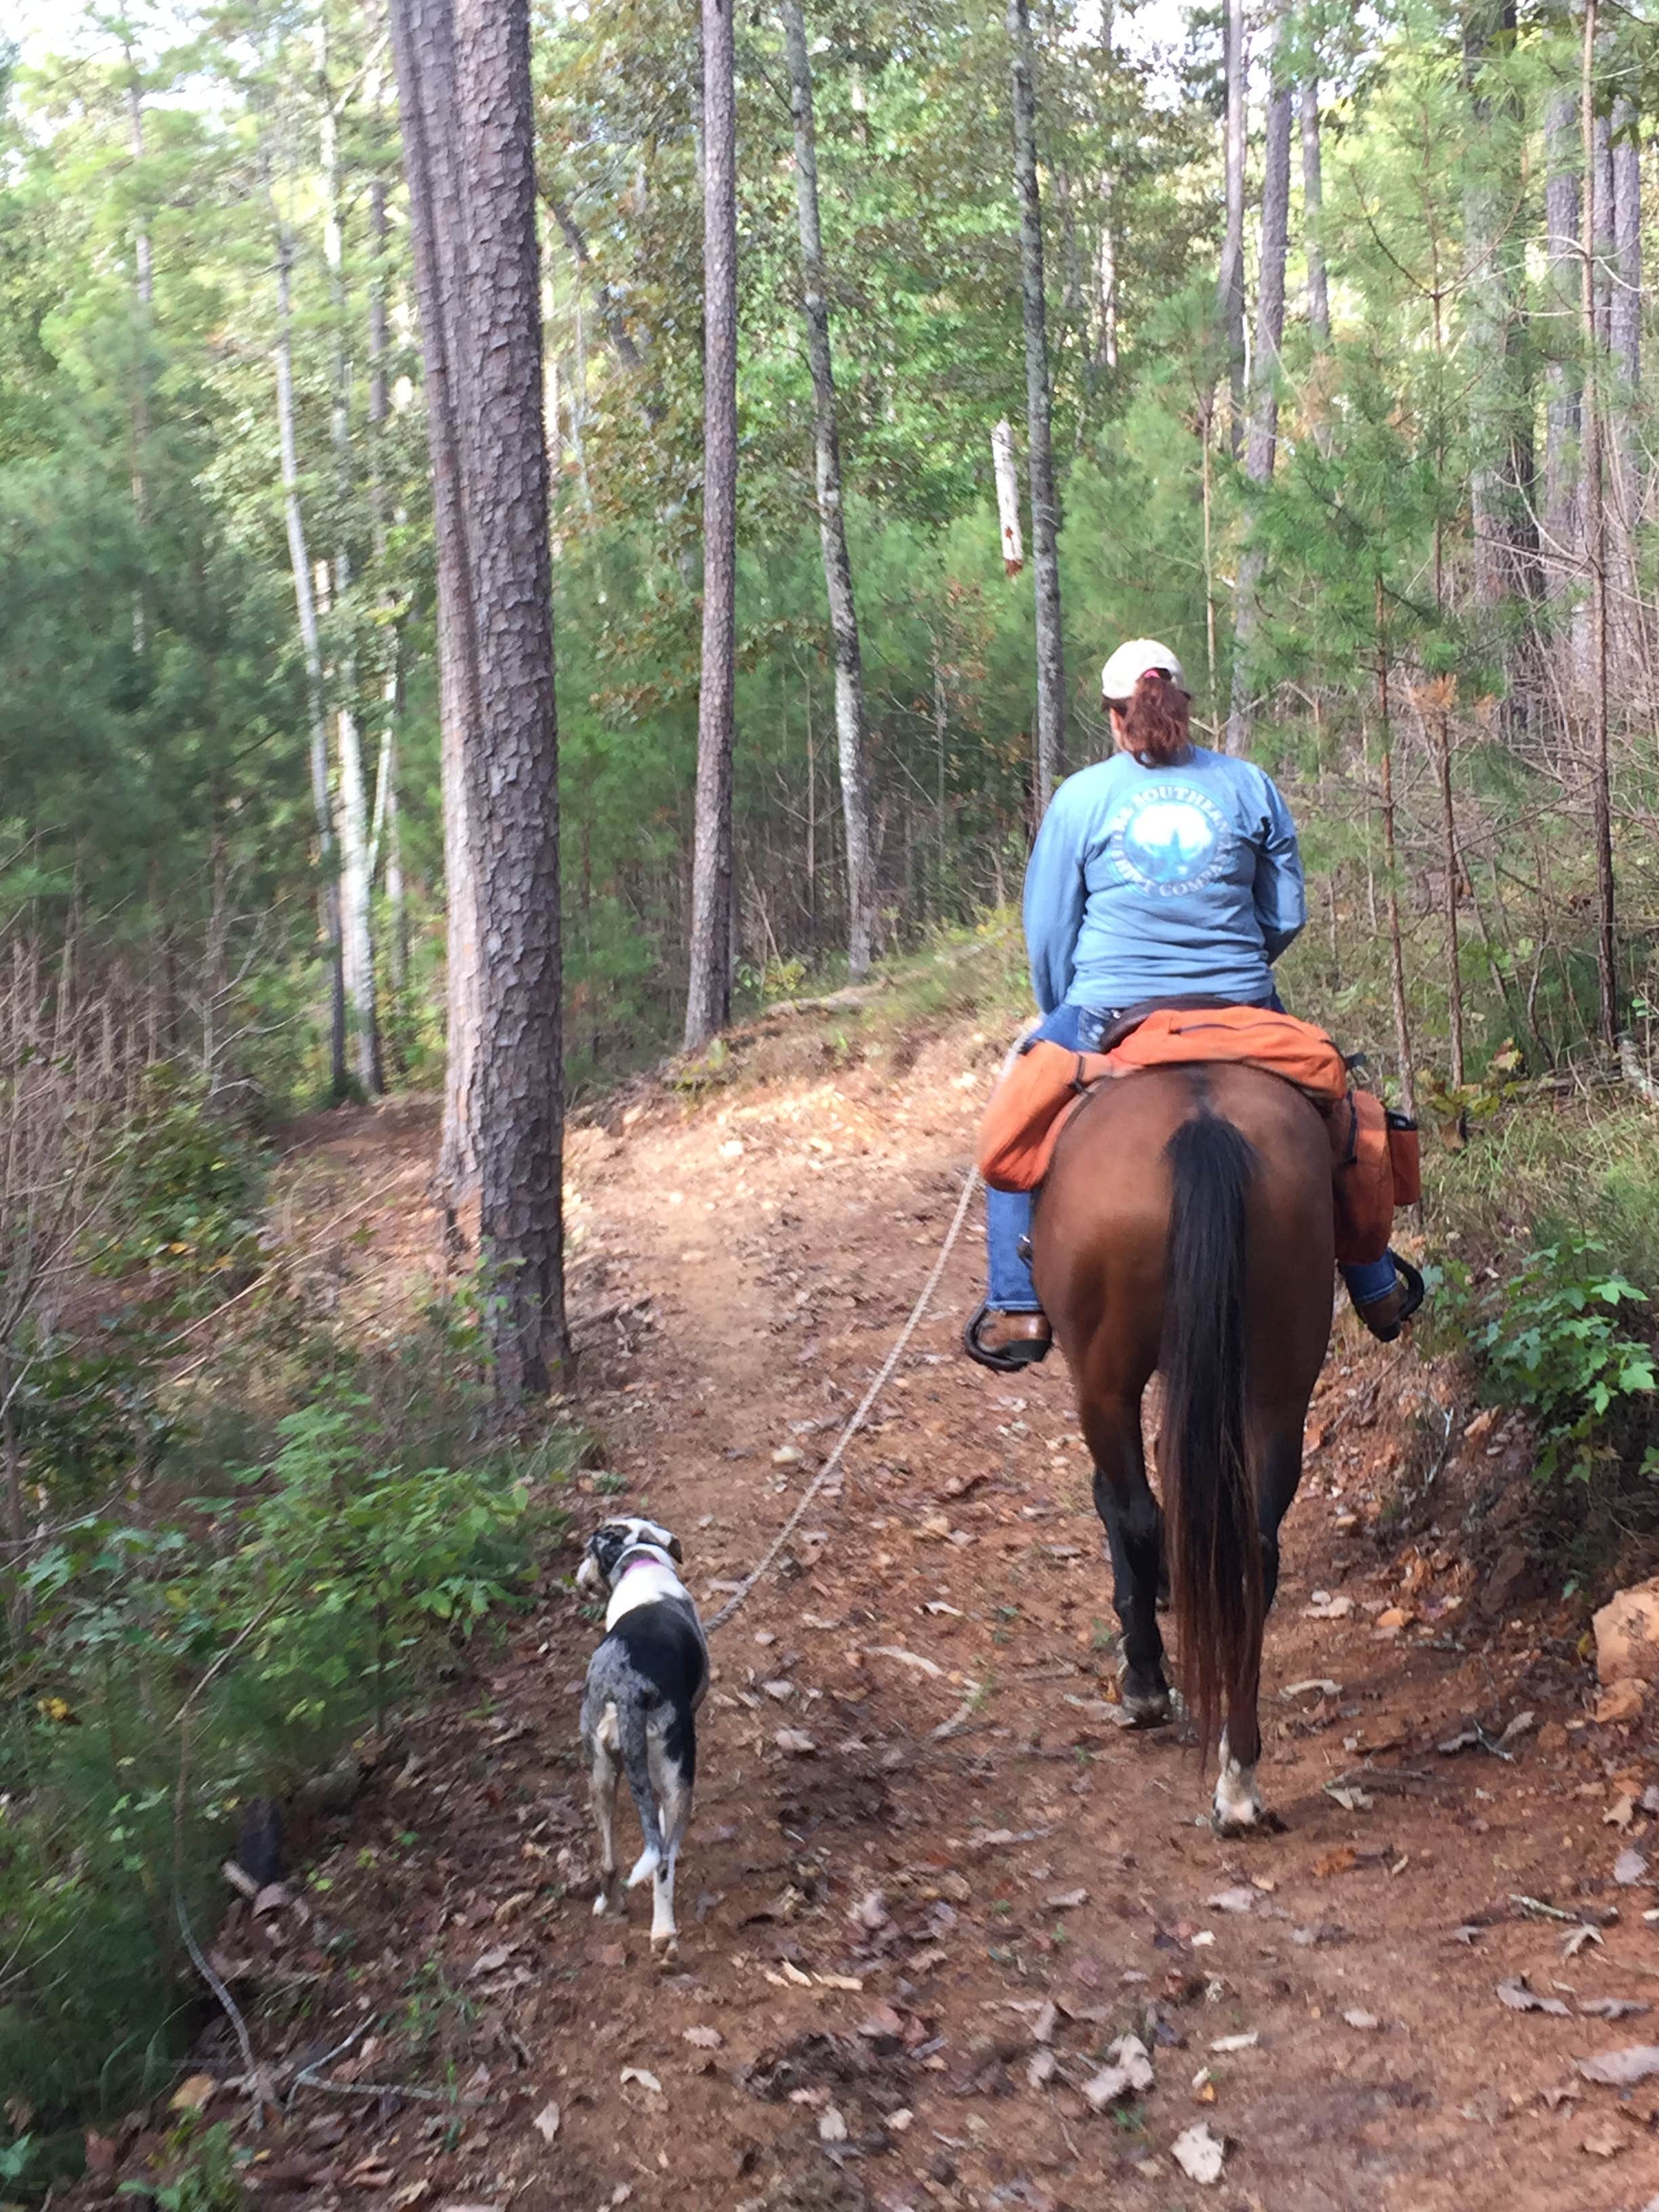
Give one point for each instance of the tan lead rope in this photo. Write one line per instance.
(971, 1184)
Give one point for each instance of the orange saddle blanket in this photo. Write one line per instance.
(1373, 1154)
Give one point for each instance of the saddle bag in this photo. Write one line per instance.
(1376, 1167)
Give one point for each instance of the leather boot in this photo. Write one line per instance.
(1007, 1342)
(1386, 1316)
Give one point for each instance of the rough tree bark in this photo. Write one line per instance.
(708, 997)
(1039, 413)
(1561, 546)
(850, 734)
(423, 46)
(1596, 544)
(511, 758)
(311, 648)
(1229, 283)
(1263, 443)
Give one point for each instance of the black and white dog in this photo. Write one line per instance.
(644, 1685)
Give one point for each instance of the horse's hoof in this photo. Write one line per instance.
(1238, 1809)
(1144, 1706)
(665, 1949)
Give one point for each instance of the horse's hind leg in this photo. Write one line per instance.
(1135, 1537)
(1237, 1795)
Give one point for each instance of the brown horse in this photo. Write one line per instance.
(1185, 1226)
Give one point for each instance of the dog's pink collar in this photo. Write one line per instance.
(644, 1555)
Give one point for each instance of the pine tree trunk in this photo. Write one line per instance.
(423, 44)
(850, 739)
(311, 648)
(1313, 217)
(708, 998)
(511, 756)
(1039, 413)
(1592, 142)
(1505, 549)
(1563, 549)
(1263, 446)
(1230, 285)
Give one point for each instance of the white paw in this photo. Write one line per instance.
(644, 1867)
(601, 1902)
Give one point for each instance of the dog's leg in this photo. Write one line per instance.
(675, 1800)
(603, 1774)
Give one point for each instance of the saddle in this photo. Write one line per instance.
(1374, 1154)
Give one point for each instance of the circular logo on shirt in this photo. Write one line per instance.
(1171, 838)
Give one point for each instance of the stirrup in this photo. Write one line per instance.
(1014, 1361)
(1415, 1291)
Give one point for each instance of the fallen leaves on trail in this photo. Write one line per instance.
(1243, 1899)
(1337, 1861)
(1200, 2153)
(1603, 2142)
(1623, 1702)
(1610, 2007)
(1349, 1796)
(1324, 1607)
(704, 2038)
(646, 2079)
(190, 2096)
(1065, 1901)
(1322, 1683)
(1624, 2068)
(1628, 1867)
(1368, 2022)
(546, 2121)
(1519, 1997)
(1127, 2072)
(1225, 2044)
(795, 1743)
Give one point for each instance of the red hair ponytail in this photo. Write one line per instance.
(1155, 719)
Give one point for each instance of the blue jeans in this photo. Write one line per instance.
(1008, 1212)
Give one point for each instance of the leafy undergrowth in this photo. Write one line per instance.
(242, 1568)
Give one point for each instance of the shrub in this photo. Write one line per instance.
(1556, 1347)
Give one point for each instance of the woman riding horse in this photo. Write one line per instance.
(1164, 872)
(1185, 1223)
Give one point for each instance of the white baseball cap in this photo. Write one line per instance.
(1132, 661)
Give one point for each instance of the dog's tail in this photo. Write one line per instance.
(636, 1766)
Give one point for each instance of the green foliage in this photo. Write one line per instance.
(1556, 1345)
(189, 1182)
(199, 2170)
(156, 1674)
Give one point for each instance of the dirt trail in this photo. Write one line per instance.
(903, 1957)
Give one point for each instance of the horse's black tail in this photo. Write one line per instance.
(1214, 1551)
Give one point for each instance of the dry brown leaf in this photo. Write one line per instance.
(1337, 1861)
(1623, 1702)
(705, 2039)
(1519, 1998)
(1622, 2068)
(1199, 2152)
(190, 2096)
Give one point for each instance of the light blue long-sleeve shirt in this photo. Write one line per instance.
(1146, 881)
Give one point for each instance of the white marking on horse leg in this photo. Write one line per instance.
(1237, 1799)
